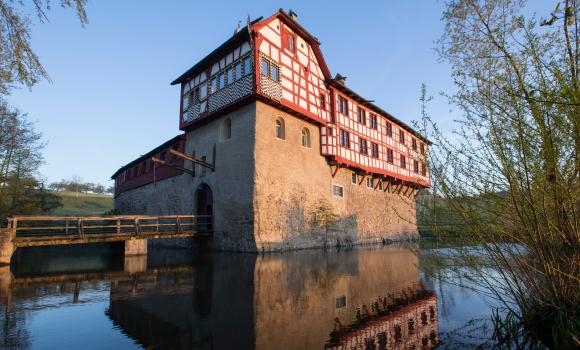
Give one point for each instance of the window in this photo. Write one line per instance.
(247, 66)
(305, 138)
(389, 129)
(330, 132)
(361, 115)
(214, 87)
(422, 147)
(291, 43)
(401, 136)
(226, 129)
(423, 170)
(203, 91)
(373, 121)
(370, 182)
(221, 81)
(230, 75)
(280, 132)
(398, 333)
(337, 191)
(353, 178)
(416, 167)
(362, 146)
(403, 162)
(380, 185)
(390, 156)
(322, 101)
(342, 105)
(340, 302)
(238, 71)
(411, 326)
(275, 73)
(374, 150)
(414, 144)
(265, 67)
(344, 138)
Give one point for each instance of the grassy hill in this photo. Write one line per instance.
(83, 204)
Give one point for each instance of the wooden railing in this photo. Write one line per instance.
(42, 226)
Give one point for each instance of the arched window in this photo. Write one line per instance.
(226, 130)
(280, 132)
(305, 138)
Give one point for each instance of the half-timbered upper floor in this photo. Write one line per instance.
(277, 61)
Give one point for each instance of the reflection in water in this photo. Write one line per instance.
(358, 299)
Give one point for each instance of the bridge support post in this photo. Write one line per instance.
(6, 246)
(135, 263)
(135, 246)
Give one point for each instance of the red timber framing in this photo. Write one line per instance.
(144, 170)
(289, 72)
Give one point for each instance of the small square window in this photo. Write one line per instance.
(353, 178)
(340, 302)
(337, 191)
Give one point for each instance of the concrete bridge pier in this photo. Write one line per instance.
(135, 246)
(6, 246)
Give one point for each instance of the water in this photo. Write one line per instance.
(90, 297)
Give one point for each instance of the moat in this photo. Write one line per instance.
(91, 297)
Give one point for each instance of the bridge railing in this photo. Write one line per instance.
(35, 226)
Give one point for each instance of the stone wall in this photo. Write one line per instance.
(293, 183)
(269, 193)
(231, 183)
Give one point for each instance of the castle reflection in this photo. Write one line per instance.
(358, 299)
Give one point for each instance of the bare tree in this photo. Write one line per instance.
(511, 172)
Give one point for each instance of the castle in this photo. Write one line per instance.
(281, 154)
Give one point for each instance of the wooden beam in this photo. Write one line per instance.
(193, 160)
(333, 172)
(162, 162)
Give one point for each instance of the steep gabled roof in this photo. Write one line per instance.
(310, 39)
(234, 41)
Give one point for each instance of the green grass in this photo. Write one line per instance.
(83, 204)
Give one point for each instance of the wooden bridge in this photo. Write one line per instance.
(29, 231)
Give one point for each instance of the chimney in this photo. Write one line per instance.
(293, 15)
(340, 79)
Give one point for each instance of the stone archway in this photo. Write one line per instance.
(204, 207)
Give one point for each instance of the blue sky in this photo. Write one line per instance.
(109, 99)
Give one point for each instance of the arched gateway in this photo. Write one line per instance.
(204, 206)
